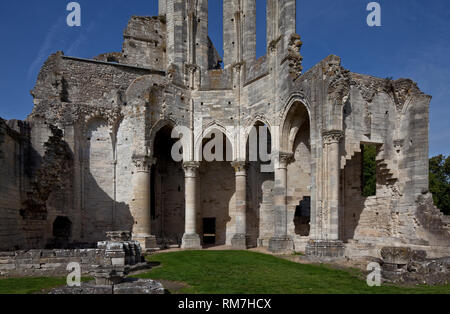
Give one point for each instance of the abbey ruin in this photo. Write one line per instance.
(95, 154)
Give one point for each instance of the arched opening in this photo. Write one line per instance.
(167, 205)
(215, 32)
(260, 183)
(217, 189)
(62, 231)
(296, 135)
(261, 28)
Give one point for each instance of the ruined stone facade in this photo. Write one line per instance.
(95, 153)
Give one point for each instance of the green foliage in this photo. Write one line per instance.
(244, 272)
(369, 171)
(440, 182)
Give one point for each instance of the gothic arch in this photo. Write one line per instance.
(198, 144)
(248, 128)
(158, 126)
(297, 113)
(294, 98)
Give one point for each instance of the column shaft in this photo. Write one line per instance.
(191, 240)
(281, 241)
(140, 206)
(331, 140)
(328, 243)
(240, 238)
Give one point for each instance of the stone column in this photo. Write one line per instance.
(331, 140)
(239, 240)
(328, 245)
(281, 242)
(140, 205)
(191, 240)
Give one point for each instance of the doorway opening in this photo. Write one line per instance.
(209, 231)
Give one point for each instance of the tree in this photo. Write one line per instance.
(440, 182)
(369, 173)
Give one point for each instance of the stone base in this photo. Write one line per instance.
(129, 286)
(191, 242)
(281, 245)
(324, 248)
(240, 242)
(148, 243)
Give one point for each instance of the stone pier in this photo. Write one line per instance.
(240, 239)
(140, 206)
(281, 242)
(191, 239)
(330, 245)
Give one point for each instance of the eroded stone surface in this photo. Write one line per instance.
(130, 286)
(403, 265)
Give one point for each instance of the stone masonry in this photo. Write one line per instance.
(95, 153)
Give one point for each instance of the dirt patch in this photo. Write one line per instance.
(173, 287)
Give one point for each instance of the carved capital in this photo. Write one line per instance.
(284, 159)
(239, 166)
(272, 47)
(143, 163)
(332, 137)
(190, 68)
(238, 66)
(191, 168)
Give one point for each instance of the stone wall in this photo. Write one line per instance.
(55, 262)
(217, 198)
(144, 42)
(14, 178)
(49, 262)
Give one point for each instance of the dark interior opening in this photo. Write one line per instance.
(209, 231)
(62, 231)
(302, 217)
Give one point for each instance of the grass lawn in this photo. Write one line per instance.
(243, 272)
(29, 285)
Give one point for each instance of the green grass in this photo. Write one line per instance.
(30, 285)
(242, 272)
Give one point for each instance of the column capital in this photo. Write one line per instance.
(191, 168)
(190, 67)
(239, 166)
(332, 136)
(284, 159)
(143, 163)
(237, 66)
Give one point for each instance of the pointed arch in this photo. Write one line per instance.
(158, 126)
(198, 143)
(296, 115)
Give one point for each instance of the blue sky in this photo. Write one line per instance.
(413, 42)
